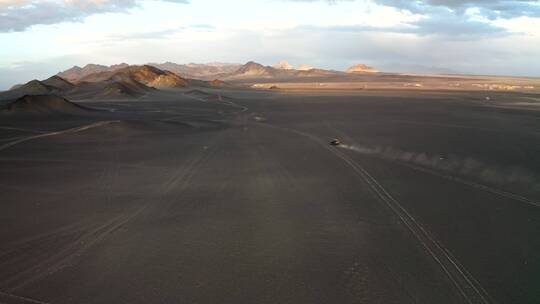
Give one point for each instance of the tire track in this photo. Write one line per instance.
(221, 101)
(469, 278)
(71, 231)
(170, 198)
(40, 240)
(499, 192)
(21, 129)
(468, 287)
(71, 130)
(26, 242)
(472, 184)
(74, 161)
(12, 299)
(62, 257)
(50, 263)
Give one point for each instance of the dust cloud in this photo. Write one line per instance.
(452, 164)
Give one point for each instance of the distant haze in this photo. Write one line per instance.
(500, 37)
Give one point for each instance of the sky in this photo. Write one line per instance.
(39, 38)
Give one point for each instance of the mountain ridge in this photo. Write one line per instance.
(113, 82)
(219, 70)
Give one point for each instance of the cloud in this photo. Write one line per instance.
(503, 55)
(159, 34)
(445, 35)
(454, 27)
(448, 27)
(450, 19)
(457, 19)
(22, 72)
(491, 9)
(327, 1)
(18, 15)
(145, 35)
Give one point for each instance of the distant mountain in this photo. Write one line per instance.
(76, 73)
(361, 68)
(108, 82)
(207, 71)
(219, 84)
(283, 65)
(111, 89)
(43, 104)
(316, 73)
(114, 82)
(304, 67)
(52, 85)
(33, 87)
(16, 86)
(58, 83)
(253, 69)
(127, 82)
(145, 74)
(200, 71)
(119, 89)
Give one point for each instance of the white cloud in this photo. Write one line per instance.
(458, 36)
(18, 15)
(525, 25)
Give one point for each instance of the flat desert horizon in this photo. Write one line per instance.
(299, 165)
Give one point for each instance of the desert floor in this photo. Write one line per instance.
(235, 196)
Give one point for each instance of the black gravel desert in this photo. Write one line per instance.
(232, 194)
(269, 152)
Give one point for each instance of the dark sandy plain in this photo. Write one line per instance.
(235, 196)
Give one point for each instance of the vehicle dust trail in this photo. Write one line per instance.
(71, 130)
(477, 185)
(435, 164)
(468, 287)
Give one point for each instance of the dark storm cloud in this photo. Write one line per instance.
(18, 15)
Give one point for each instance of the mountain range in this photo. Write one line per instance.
(222, 71)
(48, 104)
(95, 81)
(361, 68)
(120, 81)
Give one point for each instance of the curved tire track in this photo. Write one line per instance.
(467, 286)
(71, 130)
(502, 193)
